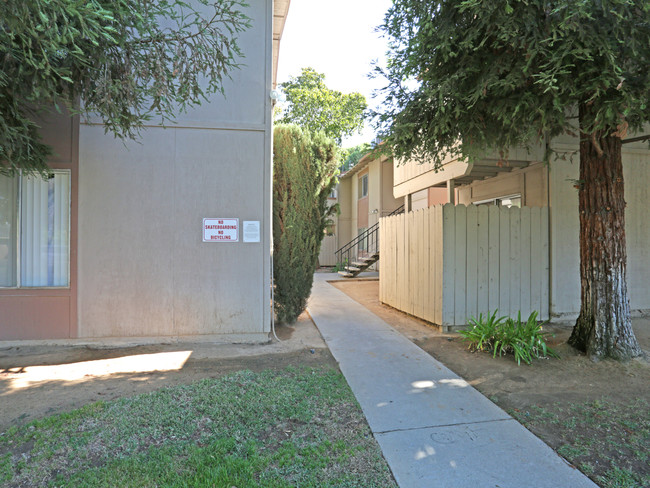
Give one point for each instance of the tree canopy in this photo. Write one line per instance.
(470, 76)
(473, 75)
(350, 156)
(316, 108)
(305, 169)
(126, 61)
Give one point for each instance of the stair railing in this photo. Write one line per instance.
(365, 244)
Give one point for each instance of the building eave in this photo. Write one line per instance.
(280, 11)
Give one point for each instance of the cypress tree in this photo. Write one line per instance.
(305, 168)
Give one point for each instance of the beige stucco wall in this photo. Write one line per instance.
(348, 211)
(419, 200)
(564, 228)
(380, 196)
(388, 201)
(143, 268)
(413, 173)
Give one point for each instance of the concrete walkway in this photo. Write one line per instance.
(434, 429)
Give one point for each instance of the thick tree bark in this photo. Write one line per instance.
(603, 328)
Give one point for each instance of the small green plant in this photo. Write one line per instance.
(504, 335)
(340, 266)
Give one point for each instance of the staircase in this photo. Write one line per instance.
(361, 252)
(361, 264)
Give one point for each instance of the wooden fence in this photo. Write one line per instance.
(448, 263)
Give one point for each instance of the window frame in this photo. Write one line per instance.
(19, 235)
(498, 201)
(363, 186)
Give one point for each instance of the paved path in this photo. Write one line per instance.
(434, 429)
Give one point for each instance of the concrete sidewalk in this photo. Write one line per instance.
(434, 429)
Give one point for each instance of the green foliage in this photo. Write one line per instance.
(316, 108)
(352, 155)
(305, 168)
(504, 335)
(473, 75)
(272, 429)
(125, 60)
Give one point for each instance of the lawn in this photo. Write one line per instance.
(606, 439)
(293, 427)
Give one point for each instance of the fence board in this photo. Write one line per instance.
(439, 259)
(482, 275)
(525, 257)
(544, 308)
(411, 285)
(471, 295)
(460, 268)
(493, 259)
(448, 262)
(535, 262)
(420, 264)
(504, 261)
(431, 306)
(514, 280)
(424, 271)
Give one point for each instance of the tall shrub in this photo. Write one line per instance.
(304, 174)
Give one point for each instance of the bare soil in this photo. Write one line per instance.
(37, 381)
(555, 388)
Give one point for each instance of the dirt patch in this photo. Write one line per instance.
(36, 381)
(552, 393)
(572, 378)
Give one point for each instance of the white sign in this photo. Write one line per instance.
(220, 230)
(251, 231)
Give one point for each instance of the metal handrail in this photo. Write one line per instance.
(367, 242)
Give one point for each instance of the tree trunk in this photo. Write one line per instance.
(604, 327)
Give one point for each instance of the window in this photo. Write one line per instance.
(509, 201)
(35, 230)
(363, 186)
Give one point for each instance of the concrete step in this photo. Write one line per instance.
(346, 274)
(353, 268)
(369, 259)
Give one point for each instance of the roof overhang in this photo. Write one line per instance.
(280, 11)
(461, 172)
(363, 163)
(487, 168)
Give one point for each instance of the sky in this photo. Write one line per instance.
(336, 38)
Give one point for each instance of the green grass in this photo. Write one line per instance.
(296, 427)
(504, 335)
(607, 440)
